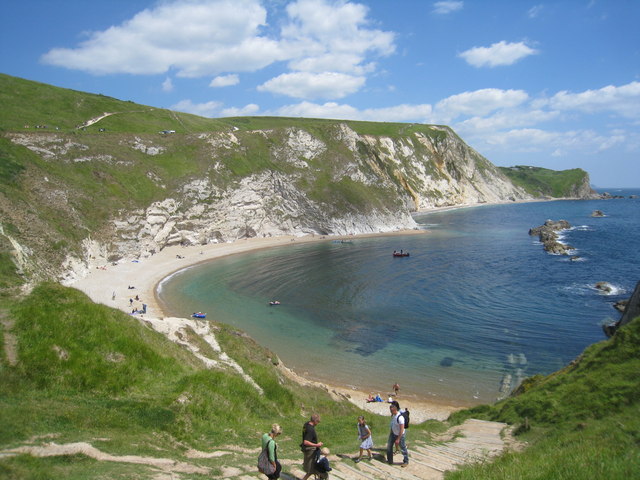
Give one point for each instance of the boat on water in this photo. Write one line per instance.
(199, 315)
(400, 254)
(274, 302)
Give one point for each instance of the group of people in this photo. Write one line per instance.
(315, 460)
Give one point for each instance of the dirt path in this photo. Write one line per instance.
(473, 441)
(91, 121)
(10, 341)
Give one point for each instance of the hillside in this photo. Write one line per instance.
(87, 179)
(542, 182)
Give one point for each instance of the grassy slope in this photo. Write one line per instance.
(91, 373)
(582, 422)
(544, 182)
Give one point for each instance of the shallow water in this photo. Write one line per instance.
(478, 302)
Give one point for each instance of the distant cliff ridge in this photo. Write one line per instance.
(100, 179)
(542, 182)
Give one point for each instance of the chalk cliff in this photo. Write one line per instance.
(326, 180)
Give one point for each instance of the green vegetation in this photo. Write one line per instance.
(543, 182)
(581, 422)
(89, 373)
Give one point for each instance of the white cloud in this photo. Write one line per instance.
(249, 109)
(478, 103)
(504, 119)
(398, 113)
(194, 37)
(332, 37)
(446, 7)
(314, 110)
(207, 109)
(330, 85)
(318, 28)
(498, 54)
(167, 85)
(557, 143)
(225, 81)
(535, 11)
(623, 100)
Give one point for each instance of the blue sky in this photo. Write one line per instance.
(554, 84)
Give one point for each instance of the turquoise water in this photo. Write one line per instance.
(478, 302)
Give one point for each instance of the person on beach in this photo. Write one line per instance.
(397, 435)
(366, 440)
(310, 445)
(269, 441)
(396, 388)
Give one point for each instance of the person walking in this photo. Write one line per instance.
(366, 440)
(309, 446)
(269, 442)
(397, 435)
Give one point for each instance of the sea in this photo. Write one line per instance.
(477, 306)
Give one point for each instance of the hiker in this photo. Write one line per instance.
(269, 442)
(366, 440)
(310, 445)
(397, 435)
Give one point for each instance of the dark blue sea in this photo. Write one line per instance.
(477, 307)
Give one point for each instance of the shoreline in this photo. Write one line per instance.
(109, 284)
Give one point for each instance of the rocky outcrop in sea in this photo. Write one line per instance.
(548, 235)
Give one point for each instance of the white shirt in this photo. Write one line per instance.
(396, 421)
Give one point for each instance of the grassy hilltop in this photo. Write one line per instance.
(74, 371)
(550, 183)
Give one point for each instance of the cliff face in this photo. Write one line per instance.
(235, 183)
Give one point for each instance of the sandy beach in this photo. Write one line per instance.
(109, 285)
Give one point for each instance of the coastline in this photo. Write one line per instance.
(108, 285)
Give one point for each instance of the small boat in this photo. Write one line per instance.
(199, 315)
(400, 254)
(274, 302)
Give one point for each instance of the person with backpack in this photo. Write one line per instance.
(270, 450)
(397, 435)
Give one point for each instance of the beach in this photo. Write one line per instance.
(109, 284)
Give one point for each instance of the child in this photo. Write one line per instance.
(364, 435)
(322, 464)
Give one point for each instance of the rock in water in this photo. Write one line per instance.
(604, 287)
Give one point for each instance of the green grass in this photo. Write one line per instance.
(541, 181)
(582, 422)
(154, 397)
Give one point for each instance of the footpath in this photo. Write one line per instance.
(475, 441)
